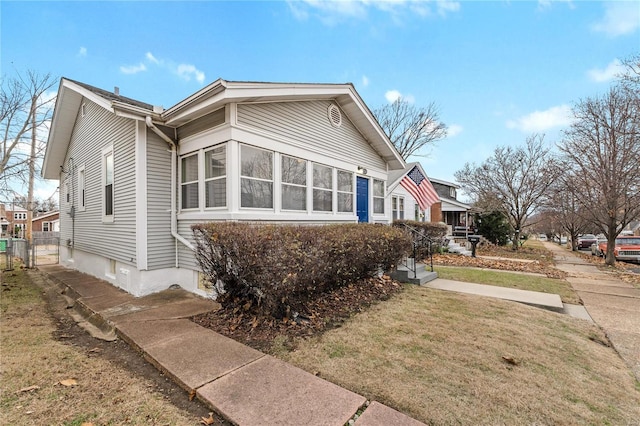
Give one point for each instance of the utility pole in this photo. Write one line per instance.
(32, 170)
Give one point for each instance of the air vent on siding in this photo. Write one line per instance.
(335, 116)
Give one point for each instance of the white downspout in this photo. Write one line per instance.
(174, 214)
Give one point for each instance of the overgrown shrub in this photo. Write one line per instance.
(433, 230)
(279, 267)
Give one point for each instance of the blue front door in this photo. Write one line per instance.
(362, 199)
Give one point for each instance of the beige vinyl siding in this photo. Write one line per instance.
(160, 243)
(306, 124)
(98, 129)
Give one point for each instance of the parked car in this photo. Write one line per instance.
(595, 247)
(542, 237)
(627, 248)
(585, 241)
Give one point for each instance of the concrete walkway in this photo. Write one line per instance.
(533, 298)
(613, 304)
(242, 384)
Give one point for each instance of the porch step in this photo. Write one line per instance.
(405, 275)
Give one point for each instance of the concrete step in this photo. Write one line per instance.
(406, 275)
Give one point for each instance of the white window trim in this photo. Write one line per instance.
(82, 185)
(105, 152)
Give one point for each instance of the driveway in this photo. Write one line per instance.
(613, 304)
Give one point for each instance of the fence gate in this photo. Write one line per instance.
(45, 250)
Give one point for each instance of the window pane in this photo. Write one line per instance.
(378, 205)
(108, 169)
(345, 181)
(294, 197)
(294, 170)
(190, 196)
(108, 200)
(378, 188)
(216, 192)
(215, 163)
(345, 202)
(322, 200)
(256, 163)
(256, 193)
(190, 168)
(322, 177)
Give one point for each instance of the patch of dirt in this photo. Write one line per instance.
(537, 266)
(244, 323)
(118, 352)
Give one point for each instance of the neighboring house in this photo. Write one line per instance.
(412, 195)
(46, 222)
(13, 221)
(454, 213)
(135, 177)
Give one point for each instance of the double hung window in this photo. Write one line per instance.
(215, 177)
(189, 182)
(322, 188)
(107, 181)
(345, 191)
(294, 183)
(256, 178)
(378, 196)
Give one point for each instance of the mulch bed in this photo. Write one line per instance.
(243, 323)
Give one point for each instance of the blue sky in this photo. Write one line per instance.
(498, 70)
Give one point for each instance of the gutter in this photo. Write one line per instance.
(174, 159)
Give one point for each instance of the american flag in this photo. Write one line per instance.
(420, 187)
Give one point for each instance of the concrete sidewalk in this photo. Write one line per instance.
(242, 384)
(613, 304)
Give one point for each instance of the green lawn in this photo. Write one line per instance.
(510, 279)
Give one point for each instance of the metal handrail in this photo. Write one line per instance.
(420, 241)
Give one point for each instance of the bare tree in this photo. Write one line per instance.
(513, 181)
(410, 128)
(566, 208)
(24, 114)
(602, 147)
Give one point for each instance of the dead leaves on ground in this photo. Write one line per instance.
(28, 389)
(68, 382)
(503, 265)
(207, 420)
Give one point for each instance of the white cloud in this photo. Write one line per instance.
(187, 71)
(133, 69)
(453, 130)
(331, 12)
(365, 81)
(612, 70)
(539, 121)
(392, 96)
(151, 58)
(620, 18)
(82, 52)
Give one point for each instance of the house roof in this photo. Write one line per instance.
(444, 182)
(208, 99)
(449, 204)
(46, 215)
(395, 176)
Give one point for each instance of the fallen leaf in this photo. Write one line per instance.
(94, 350)
(192, 394)
(69, 382)
(87, 424)
(207, 420)
(29, 389)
